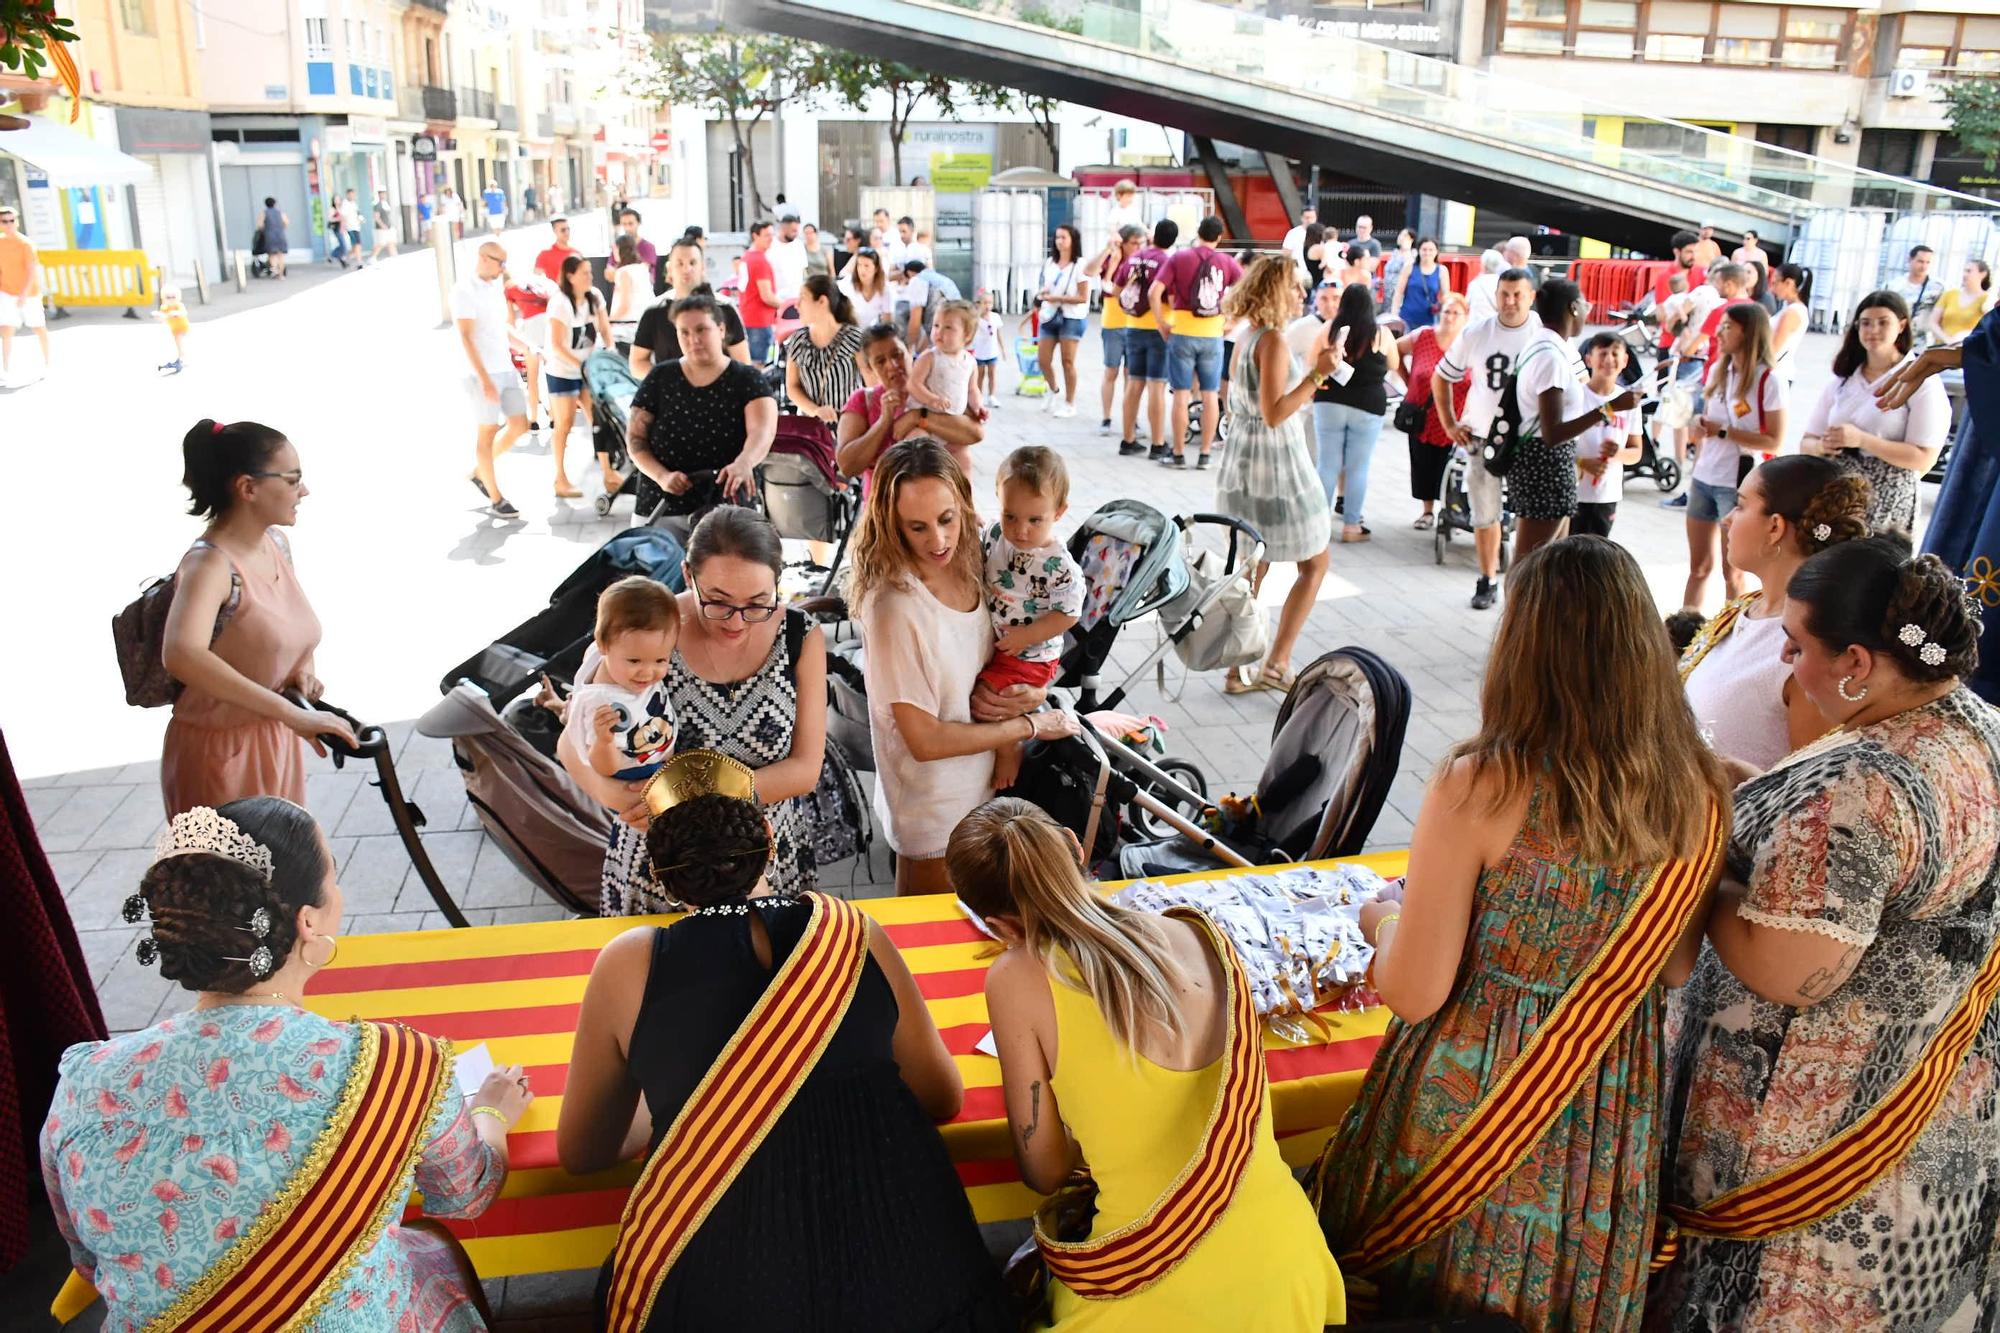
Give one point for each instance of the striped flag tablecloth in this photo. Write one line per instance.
(517, 989)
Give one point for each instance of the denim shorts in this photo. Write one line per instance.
(1066, 327)
(559, 386)
(1194, 363)
(1709, 503)
(1114, 346)
(1145, 355)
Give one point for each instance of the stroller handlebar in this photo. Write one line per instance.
(369, 739)
(1239, 532)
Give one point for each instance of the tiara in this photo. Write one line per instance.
(698, 773)
(206, 832)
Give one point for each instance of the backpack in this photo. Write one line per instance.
(1206, 301)
(1503, 438)
(1136, 295)
(139, 636)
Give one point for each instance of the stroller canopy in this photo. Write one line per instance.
(1132, 562)
(610, 379)
(1334, 752)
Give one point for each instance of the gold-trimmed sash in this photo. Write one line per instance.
(1832, 1175)
(1542, 1080)
(1717, 628)
(351, 1186)
(1149, 1247)
(752, 1081)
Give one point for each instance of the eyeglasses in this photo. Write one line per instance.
(754, 614)
(296, 477)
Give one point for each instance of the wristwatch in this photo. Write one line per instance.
(1722, 433)
(924, 413)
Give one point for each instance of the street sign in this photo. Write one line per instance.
(423, 148)
(663, 142)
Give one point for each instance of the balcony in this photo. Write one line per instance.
(564, 118)
(472, 102)
(439, 103)
(510, 117)
(545, 125)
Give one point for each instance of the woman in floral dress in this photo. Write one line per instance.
(1520, 871)
(164, 1148)
(1857, 908)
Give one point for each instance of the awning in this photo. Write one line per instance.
(69, 158)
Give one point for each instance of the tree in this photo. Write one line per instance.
(1040, 110)
(1975, 116)
(737, 77)
(33, 37)
(854, 78)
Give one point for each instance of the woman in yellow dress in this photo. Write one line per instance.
(1127, 1045)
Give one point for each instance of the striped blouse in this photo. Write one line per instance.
(829, 374)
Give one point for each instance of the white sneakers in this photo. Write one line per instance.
(1062, 409)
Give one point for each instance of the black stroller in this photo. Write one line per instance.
(804, 495)
(1335, 750)
(1652, 381)
(1454, 512)
(612, 386)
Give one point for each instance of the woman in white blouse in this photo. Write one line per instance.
(1064, 311)
(577, 326)
(919, 590)
(866, 289)
(631, 292)
(1892, 449)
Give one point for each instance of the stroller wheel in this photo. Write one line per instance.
(603, 506)
(1150, 826)
(1667, 473)
(1441, 537)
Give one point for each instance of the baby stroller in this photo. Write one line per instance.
(1335, 749)
(612, 386)
(1027, 360)
(260, 255)
(803, 493)
(1455, 509)
(1135, 562)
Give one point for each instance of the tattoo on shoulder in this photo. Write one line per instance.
(1034, 1112)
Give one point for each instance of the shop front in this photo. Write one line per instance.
(174, 209)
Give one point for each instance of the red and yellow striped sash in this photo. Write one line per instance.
(1146, 1249)
(352, 1185)
(1540, 1082)
(1830, 1176)
(741, 1096)
(1715, 631)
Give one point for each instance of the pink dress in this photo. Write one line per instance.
(216, 752)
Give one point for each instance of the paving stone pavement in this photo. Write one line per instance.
(99, 824)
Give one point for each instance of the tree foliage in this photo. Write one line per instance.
(737, 77)
(1975, 116)
(1040, 111)
(855, 78)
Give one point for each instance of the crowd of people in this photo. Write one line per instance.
(1713, 1053)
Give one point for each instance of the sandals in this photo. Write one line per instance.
(1277, 678)
(1240, 682)
(1425, 522)
(1360, 534)
(568, 493)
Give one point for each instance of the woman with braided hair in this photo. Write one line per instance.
(1837, 1114)
(192, 1163)
(1738, 683)
(838, 1206)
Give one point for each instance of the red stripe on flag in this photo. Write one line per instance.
(981, 1104)
(1350, 1056)
(918, 934)
(964, 1038)
(949, 985)
(995, 1171)
(454, 972)
(557, 1020)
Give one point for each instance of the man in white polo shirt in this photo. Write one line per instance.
(479, 308)
(1488, 350)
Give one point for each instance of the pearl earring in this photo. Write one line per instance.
(1845, 681)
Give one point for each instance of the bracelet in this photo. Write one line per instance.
(1392, 916)
(493, 1111)
(1034, 728)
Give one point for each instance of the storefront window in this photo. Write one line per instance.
(1744, 34)
(1536, 27)
(1813, 38)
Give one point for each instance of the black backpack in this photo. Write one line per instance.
(1503, 437)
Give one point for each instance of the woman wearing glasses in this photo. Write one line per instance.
(747, 680)
(241, 634)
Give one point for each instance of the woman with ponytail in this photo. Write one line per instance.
(175, 1157)
(241, 635)
(1737, 681)
(844, 1212)
(1837, 1067)
(1112, 1028)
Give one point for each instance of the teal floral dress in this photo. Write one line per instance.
(1564, 1242)
(162, 1147)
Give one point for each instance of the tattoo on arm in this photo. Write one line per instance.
(1823, 981)
(1034, 1112)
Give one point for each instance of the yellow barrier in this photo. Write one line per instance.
(99, 278)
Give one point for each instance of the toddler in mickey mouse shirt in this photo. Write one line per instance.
(1034, 590)
(619, 717)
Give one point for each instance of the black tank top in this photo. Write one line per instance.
(1366, 389)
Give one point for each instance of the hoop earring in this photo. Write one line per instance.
(1845, 681)
(332, 951)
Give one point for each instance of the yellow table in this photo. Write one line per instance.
(517, 990)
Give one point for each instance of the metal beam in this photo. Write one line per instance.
(1218, 179)
(1280, 168)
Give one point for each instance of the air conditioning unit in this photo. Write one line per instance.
(1908, 82)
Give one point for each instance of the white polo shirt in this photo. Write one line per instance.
(485, 304)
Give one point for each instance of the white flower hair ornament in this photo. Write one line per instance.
(1929, 651)
(1823, 532)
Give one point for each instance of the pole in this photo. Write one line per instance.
(441, 247)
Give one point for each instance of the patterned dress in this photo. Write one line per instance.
(1887, 839)
(162, 1146)
(750, 720)
(1267, 477)
(1563, 1243)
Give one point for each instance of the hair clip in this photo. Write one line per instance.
(1822, 532)
(148, 951)
(215, 428)
(260, 924)
(1931, 653)
(260, 962)
(134, 910)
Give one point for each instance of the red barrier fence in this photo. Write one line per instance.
(1611, 283)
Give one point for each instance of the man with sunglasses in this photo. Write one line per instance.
(20, 289)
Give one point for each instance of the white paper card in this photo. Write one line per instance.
(472, 1066)
(986, 1045)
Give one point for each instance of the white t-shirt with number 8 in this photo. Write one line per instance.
(1487, 351)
